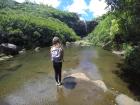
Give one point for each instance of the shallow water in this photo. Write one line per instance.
(28, 79)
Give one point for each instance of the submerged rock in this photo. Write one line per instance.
(4, 58)
(125, 100)
(98, 83)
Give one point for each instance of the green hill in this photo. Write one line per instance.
(32, 25)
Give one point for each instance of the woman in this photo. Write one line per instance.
(57, 58)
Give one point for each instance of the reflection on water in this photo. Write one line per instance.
(87, 66)
(29, 80)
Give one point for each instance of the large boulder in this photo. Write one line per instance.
(98, 83)
(9, 49)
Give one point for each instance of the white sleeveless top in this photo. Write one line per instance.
(56, 54)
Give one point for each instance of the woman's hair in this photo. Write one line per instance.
(55, 40)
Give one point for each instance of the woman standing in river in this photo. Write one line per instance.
(57, 58)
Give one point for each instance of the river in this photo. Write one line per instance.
(28, 79)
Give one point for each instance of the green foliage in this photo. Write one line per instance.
(6, 3)
(29, 30)
(47, 11)
(128, 49)
(132, 61)
(130, 70)
(106, 30)
(117, 27)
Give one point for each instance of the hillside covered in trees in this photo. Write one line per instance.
(29, 25)
(119, 30)
(25, 25)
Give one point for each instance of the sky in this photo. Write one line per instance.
(87, 9)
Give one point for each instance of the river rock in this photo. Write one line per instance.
(1, 59)
(9, 48)
(98, 83)
(101, 84)
(9, 45)
(125, 100)
(23, 51)
(81, 76)
(71, 44)
(85, 43)
(68, 44)
(2, 54)
(37, 49)
(119, 52)
(81, 43)
(4, 58)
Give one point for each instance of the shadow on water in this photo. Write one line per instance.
(69, 82)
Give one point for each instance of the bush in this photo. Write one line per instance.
(131, 70)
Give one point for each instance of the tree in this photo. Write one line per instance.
(6, 3)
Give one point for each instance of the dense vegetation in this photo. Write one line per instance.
(71, 19)
(119, 29)
(29, 25)
(120, 26)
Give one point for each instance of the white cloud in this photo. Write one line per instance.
(78, 6)
(20, 1)
(53, 3)
(97, 7)
(81, 18)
